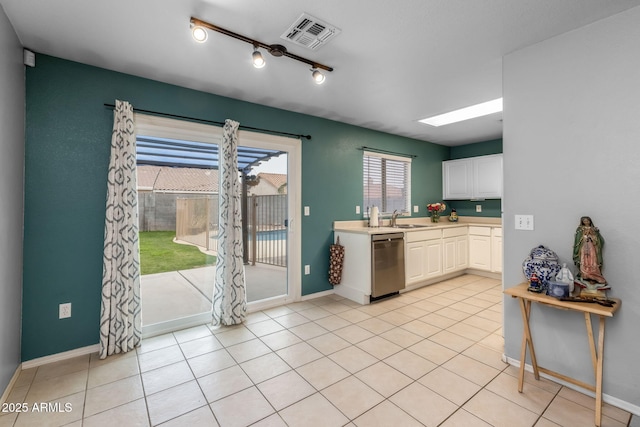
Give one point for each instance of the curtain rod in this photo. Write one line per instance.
(378, 150)
(212, 122)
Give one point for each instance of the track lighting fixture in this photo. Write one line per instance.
(199, 27)
(257, 59)
(317, 76)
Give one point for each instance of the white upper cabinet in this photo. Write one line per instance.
(472, 178)
(487, 177)
(457, 179)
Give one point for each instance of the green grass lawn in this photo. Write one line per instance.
(158, 253)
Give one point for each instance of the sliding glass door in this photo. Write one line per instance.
(178, 207)
(272, 219)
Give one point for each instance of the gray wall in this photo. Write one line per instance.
(11, 189)
(572, 148)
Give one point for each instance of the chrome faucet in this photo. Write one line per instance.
(394, 217)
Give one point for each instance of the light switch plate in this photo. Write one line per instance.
(306, 211)
(524, 222)
(415, 209)
(357, 209)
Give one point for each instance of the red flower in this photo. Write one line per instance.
(436, 207)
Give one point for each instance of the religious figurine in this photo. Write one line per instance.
(453, 217)
(587, 256)
(534, 284)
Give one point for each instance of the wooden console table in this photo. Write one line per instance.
(597, 353)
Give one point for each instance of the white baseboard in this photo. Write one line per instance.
(268, 303)
(317, 295)
(482, 273)
(13, 380)
(61, 356)
(614, 401)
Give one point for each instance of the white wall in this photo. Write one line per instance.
(12, 100)
(572, 148)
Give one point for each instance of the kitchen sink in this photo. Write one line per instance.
(412, 226)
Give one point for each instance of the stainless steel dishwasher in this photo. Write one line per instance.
(387, 264)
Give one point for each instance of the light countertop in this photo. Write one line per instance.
(360, 226)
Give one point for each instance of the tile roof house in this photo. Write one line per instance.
(179, 180)
(167, 179)
(270, 183)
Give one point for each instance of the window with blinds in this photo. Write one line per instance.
(387, 182)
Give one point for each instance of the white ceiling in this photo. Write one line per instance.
(395, 61)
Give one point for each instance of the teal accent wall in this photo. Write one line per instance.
(68, 136)
(12, 99)
(484, 148)
(490, 208)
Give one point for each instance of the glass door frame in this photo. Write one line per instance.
(149, 125)
(293, 148)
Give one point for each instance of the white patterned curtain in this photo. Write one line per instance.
(120, 320)
(229, 291)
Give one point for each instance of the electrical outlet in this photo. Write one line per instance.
(478, 208)
(357, 209)
(415, 209)
(64, 310)
(307, 269)
(306, 211)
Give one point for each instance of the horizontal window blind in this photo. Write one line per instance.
(387, 182)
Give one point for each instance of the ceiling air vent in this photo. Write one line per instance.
(310, 32)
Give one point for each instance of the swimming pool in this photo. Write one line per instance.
(272, 235)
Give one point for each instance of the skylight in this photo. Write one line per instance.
(478, 110)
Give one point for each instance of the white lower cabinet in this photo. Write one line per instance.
(455, 249)
(496, 250)
(434, 258)
(430, 254)
(485, 248)
(415, 265)
(423, 255)
(480, 252)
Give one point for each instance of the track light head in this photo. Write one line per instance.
(317, 76)
(199, 33)
(257, 59)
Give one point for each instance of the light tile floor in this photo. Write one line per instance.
(428, 357)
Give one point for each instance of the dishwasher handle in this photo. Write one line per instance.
(389, 236)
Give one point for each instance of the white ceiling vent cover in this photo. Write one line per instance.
(310, 32)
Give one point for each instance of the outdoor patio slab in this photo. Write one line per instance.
(177, 294)
(201, 278)
(265, 281)
(168, 296)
